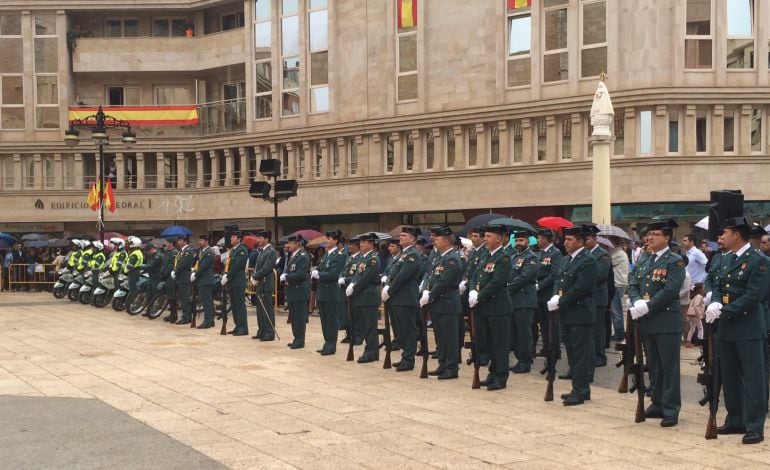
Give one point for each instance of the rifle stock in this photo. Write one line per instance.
(638, 373)
(710, 379)
(351, 332)
(386, 337)
(550, 368)
(223, 311)
(424, 318)
(627, 357)
(194, 307)
(474, 350)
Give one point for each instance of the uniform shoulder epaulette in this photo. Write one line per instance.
(451, 262)
(374, 261)
(411, 258)
(506, 259)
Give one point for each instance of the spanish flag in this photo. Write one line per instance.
(93, 197)
(407, 13)
(109, 197)
(186, 115)
(516, 4)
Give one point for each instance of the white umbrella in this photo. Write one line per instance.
(612, 231)
(703, 223)
(467, 243)
(604, 242)
(767, 229)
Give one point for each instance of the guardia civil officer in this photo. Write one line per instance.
(328, 295)
(653, 288)
(549, 258)
(181, 274)
(601, 296)
(364, 294)
(263, 280)
(297, 279)
(521, 287)
(203, 277)
(234, 279)
(573, 298)
(736, 303)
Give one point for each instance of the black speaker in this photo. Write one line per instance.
(286, 188)
(229, 229)
(259, 189)
(270, 167)
(724, 204)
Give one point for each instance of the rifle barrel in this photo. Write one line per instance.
(424, 370)
(351, 334)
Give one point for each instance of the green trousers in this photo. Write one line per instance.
(580, 355)
(403, 319)
(743, 381)
(521, 335)
(663, 350)
(329, 312)
(447, 332)
(498, 336)
(298, 312)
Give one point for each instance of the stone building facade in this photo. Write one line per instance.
(477, 106)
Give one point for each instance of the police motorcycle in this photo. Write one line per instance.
(105, 288)
(120, 295)
(141, 298)
(86, 291)
(73, 290)
(66, 274)
(159, 302)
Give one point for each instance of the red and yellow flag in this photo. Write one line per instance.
(109, 197)
(516, 4)
(407, 13)
(93, 197)
(144, 115)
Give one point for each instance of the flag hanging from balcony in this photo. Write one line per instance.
(516, 4)
(144, 115)
(93, 197)
(109, 197)
(407, 13)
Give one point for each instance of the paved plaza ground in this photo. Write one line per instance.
(87, 388)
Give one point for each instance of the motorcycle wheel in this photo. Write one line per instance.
(137, 303)
(101, 300)
(119, 303)
(60, 292)
(157, 305)
(85, 298)
(72, 294)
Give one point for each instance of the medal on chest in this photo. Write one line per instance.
(489, 267)
(519, 262)
(546, 261)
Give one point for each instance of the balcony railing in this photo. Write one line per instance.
(222, 117)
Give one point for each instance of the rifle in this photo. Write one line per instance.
(194, 306)
(638, 373)
(386, 339)
(474, 350)
(424, 320)
(626, 349)
(351, 332)
(709, 378)
(551, 356)
(223, 306)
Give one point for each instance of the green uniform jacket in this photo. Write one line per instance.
(475, 263)
(712, 277)
(404, 279)
(444, 294)
(575, 285)
(659, 282)
(204, 275)
(236, 269)
(521, 284)
(740, 290)
(492, 285)
(184, 263)
(298, 277)
(547, 270)
(366, 292)
(264, 270)
(168, 263)
(603, 266)
(154, 266)
(351, 265)
(427, 262)
(329, 271)
(764, 295)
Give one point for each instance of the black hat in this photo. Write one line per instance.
(171, 239)
(237, 233)
(591, 229)
(522, 234)
(441, 230)
(736, 222)
(413, 231)
(394, 241)
(756, 231)
(479, 230)
(668, 224)
(576, 231)
(545, 232)
(499, 229)
(335, 234)
(355, 240)
(265, 234)
(203, 237)
(368, 237)
(295, 238)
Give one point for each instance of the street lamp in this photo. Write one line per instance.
(99, 123)
(282, 190)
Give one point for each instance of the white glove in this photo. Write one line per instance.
(713, 312)
(473, 297)
(384, 279)
(173, 274)
(341, 281)
(224, 279)
(537, 286)
(641, 307)
(463, 285)
(192, 277)
(707, 300)
(425, 298)
(349, 290)
(634, 313)
(421, 286)
(283, 277)
(385, 293)
(314, 274)
(553, 304)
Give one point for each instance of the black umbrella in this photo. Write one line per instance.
(480, 220)
(59, 243)
(36, 236)
(514, 225)
(37, 244)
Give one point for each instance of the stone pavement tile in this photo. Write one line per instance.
(762, 457)
(202, 436)
(355, 428)
(304, 455)
(226, 450)
(374, 456)
(721, 460)
(258, 461)
(175, 425)
(545, 464)
(495, 454)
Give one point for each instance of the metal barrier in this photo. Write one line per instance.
(36, 275)
(250, 288)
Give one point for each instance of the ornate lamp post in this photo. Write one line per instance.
(99, 124)
(282, 190)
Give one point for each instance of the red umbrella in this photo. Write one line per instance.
(250, 241)
(554, 223)
(308, 234)
(108, 235)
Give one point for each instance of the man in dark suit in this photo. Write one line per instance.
(263, 280)
(737, 304)
(203, 277)
(573, 298)
(653, 288)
